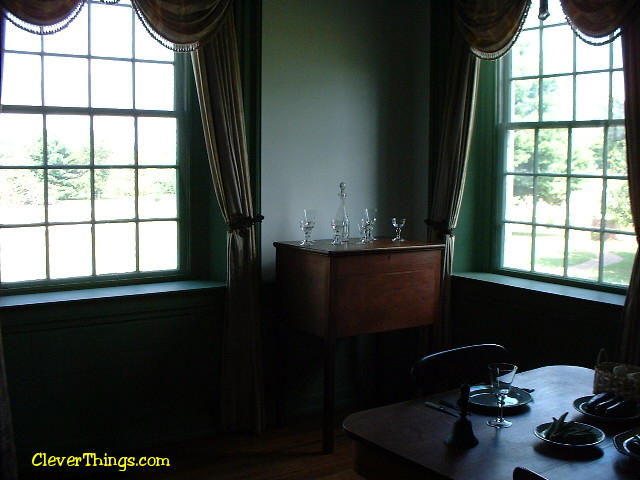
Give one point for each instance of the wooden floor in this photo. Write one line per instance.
(287, 453)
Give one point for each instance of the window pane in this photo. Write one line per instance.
(592, 96)
(557, 98)
(557, 47)
(22, 254)
(591, 57)
(552, 150)
(68, 140)
(520, 154)
(585, 202)
(20, 139)
(70, 251)
(524, 101)
(618, 213)
(105, 75)
(157, 141)
(156, 240)
(551, 208)
(115, 248)
(21, 196)
(105, 42)
(114, 140)
(617, 102)
(518, 205)
(619, 251)
(148, 48)
(65, 81)
(72, 39)
(17, 88)
(158, 193)
(517, 242)
(584, 255)
(21, 40)
(587, 150)
(115, 188)
(527, 47)
(616, 151)
(549, 251)
(69, 194)
(154, 86)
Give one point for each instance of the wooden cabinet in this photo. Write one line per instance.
(335, 291)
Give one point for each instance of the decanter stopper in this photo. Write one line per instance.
(342, 217)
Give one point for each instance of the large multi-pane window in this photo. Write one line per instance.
(565, 196)
(88, 152)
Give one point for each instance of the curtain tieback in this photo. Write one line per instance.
(441, 227)
(241, 223)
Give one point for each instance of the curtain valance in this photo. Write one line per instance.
(599, 21)
(181, 25)
(490, 27)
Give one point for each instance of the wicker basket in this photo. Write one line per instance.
(619, 378)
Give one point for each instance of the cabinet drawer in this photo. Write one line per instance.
(381, 263)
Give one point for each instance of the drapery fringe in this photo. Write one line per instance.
(44, 29)
(176, 47)
(504, 50)
(50, 29)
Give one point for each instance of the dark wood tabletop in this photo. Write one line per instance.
(409, 439)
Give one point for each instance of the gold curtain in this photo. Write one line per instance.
(206, 27)
(217, 74)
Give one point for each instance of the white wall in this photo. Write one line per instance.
(344, 98)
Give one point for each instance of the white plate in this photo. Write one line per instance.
(483, 396)
(540, 429)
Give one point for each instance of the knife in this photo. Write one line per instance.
(440, 408)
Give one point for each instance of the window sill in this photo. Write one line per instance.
(544, 287)
(33, 299)
(95, 305)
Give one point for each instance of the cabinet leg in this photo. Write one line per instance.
(328, 394)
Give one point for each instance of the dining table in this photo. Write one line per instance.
(407, 440)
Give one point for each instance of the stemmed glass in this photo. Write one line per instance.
(306, 225)
(502, 375)
(370, 216)
(338, 228)
(398, 223)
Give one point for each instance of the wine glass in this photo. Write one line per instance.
(502, 375)
(306, 225)
(362, 229)
(338, 228)
(370, 215)
(398, 223)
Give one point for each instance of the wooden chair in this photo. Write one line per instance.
(521, 473)
(449, 369)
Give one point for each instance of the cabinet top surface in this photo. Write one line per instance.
(325, 247)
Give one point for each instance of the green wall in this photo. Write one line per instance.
(110, 375)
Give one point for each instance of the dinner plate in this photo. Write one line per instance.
(578, 404)
(621, 441)
(540, 429)
(483, 396)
